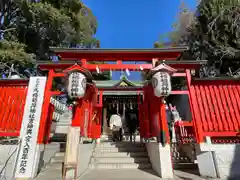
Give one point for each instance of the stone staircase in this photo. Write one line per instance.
(52, 170)
(120, 155)
(116, 156)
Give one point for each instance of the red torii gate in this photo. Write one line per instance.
(218, 122)
(69, 57)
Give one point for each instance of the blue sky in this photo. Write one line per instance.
(134, 23)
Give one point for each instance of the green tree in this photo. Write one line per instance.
(35, 26)
(11, 50)
(184, 19)
(214, 35)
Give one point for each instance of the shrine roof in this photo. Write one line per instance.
(171, 53)
(120, 50)
(123, 82)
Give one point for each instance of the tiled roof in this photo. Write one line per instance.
(112, 83)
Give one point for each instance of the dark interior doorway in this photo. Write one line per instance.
(119, 103)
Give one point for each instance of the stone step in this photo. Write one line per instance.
(120, 154)
(54, 166)
(185, 166)
(121, 149)
(120, 160)
(49, 171)
(58, 159)
(120, 166)
(59, 154)
(120, 144)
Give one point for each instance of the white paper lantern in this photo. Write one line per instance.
(161, 82)
(76, 85)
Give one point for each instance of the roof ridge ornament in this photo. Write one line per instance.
(163, 62)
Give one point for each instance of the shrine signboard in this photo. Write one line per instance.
(30, 127)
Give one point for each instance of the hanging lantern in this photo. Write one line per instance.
(76, 84)
(161, 80)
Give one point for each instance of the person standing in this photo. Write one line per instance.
(132, 126)
(116, 126)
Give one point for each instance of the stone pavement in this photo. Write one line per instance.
(132, 174)
(119, 174)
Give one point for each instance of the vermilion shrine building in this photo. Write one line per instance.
(213, 104)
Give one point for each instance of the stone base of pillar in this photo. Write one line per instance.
(161, 160)
(206, 164)
(219, 160)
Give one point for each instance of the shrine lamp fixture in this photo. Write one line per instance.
(77, 79)
(160, 77)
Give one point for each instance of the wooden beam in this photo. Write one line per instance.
(180, 92)
(221, 134)
(10, 134)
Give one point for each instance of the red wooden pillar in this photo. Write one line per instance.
(164, 132)
(140, 109)
(90, 119)
(146, 121)
(77, 114)
(97, 121)
(155, 116)
(49, 121)
(42, 134)
(82, 114)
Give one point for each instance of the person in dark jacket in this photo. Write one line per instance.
(132, 126)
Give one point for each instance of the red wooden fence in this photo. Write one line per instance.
(215, 111)
(216, 107)
(12, 100)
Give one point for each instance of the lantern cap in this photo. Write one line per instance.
(164, 68)
(77, 68)
(161, 68)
